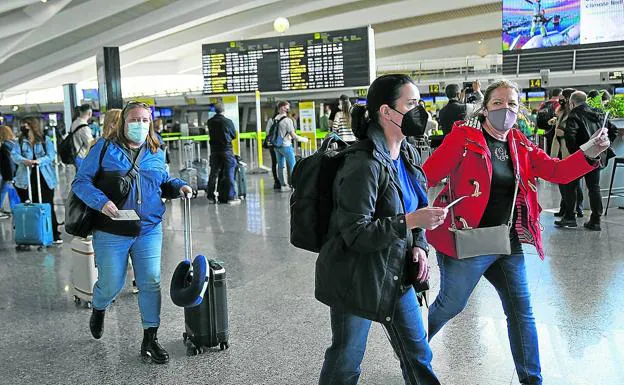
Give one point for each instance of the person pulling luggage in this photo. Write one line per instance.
(34, 148)
(134, 146)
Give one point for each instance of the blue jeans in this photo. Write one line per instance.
(407, 336)
(111, 258)
(507, 273)
(8, 189)
(288, 154)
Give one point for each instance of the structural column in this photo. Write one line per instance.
(109, 78)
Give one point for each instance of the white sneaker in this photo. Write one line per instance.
(286, 189)
(4, 216)
(234, 202)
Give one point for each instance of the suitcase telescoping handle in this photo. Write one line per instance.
(35, 166)
(188, 238)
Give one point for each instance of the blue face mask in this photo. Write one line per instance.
(138, 131)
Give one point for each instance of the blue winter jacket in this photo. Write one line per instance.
(45, 156)
(144, 197)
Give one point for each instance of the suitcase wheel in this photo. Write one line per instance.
(194, 193)
(184, 336)
(76, 300)
(88, 305)
(224, 345)
(191, 349)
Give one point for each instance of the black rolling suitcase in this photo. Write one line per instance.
(206, 324)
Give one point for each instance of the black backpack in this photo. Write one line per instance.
(66, 149)
(545, 113)
(311, 202)
(273, 139)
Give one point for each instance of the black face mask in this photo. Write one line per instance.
(24, 130)
(414, 121)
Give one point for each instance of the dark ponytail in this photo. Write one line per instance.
(359, 121)
(386, 89)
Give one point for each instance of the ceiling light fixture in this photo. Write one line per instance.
(44, 1)
(480, 42)
(281, 24)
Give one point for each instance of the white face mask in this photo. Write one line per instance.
(138, 131)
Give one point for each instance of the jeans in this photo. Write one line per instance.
(592, 180)
(8, 189)
(276, 181)
(507, 273)
(285, 153)
(407, 336)
(111, 258)
(579, 199)
(222, 163)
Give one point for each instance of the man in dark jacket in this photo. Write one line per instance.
(222, 161)
(455, 109)
(582, 123)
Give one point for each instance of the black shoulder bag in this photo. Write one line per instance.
(80, 218)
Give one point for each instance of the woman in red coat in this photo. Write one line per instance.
(483, 158)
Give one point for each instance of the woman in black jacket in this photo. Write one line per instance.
(376, 232)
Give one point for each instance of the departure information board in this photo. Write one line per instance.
(319, 60)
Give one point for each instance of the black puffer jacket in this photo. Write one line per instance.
(361, 266)
(582, 122)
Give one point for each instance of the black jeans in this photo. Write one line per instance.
(276, 182)
(579, 198)
(222, 163)
(592, 180)
(47, 196)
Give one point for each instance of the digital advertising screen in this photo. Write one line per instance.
(319, 60)
(530, 24)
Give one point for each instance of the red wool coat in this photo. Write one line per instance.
(465, 157)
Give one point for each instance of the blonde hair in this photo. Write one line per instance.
(111, 121)
(6, 133)
(119, 135)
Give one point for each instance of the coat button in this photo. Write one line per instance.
(388, 319)
(395, 278)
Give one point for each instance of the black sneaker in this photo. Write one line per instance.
(593, 226)
(558, 214)
(566, 223)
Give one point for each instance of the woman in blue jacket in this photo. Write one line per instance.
(34, 148)
(133, 146)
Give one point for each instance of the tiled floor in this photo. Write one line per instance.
(279, 331)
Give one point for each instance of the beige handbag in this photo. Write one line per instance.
(470, 242)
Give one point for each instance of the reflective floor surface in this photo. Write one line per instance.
(278, 331)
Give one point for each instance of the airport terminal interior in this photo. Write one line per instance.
(179, 69)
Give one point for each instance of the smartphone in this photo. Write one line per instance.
(468, 87)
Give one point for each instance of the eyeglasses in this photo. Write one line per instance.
(134, 103)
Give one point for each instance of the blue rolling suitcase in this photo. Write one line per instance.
(32, 222)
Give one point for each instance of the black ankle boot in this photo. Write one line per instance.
(96, 323)
(151, 348)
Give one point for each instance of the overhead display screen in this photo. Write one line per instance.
(319, 60)
(551, 23)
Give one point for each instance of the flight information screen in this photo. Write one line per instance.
(287, 63)
(554, 23)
